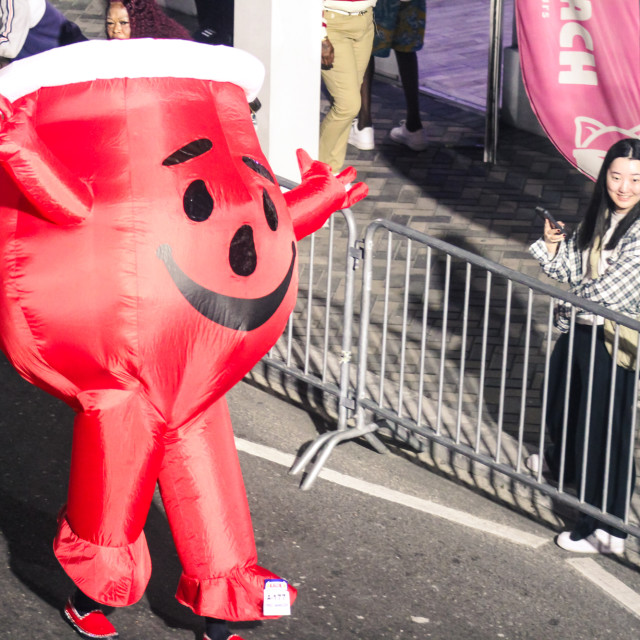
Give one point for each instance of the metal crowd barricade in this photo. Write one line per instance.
(316, 345)
(454, 350)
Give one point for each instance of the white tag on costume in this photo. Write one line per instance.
(277, 601)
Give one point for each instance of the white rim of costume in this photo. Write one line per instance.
(137, 58)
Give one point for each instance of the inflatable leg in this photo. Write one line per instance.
(204, 496)
(115, 460)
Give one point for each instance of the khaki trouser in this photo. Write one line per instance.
(352, 40)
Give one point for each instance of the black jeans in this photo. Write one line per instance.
(217, 15)
(576, 433)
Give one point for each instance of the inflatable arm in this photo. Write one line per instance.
(320, 194)
(57, 194)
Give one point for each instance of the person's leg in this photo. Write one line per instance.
(224, 24)
(206, 10)
(408, 38)
(591, 445)
(216, 629)
(352, 39)
(589, 534)
(562, 445)
(364, 117)
(215, 19)
(408, 68)
(620, 448)
(361, 134)
(205, 500)
(115, 459)
(385, 15)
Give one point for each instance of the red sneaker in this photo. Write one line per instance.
(90, 625)
(233, 637)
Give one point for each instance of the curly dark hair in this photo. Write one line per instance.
(148, 20)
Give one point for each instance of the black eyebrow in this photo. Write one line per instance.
(189, 151)
(258, 168)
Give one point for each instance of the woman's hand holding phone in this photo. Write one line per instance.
(554, 230)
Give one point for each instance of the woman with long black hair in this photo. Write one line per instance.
(601, 263)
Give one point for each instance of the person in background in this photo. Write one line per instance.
(141, 19)
(346, 49)
(600, 261)
(400, 25)
(145, 19)
(28, 27)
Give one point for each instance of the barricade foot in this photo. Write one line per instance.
(334, 439)
(299, 465)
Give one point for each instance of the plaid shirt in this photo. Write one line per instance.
(618, 288)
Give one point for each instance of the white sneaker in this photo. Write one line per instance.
(598, 542)
(533, 464)
(416, 140)
(361, 138)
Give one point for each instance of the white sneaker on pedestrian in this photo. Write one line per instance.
(600, 541)
(533, 464)
(416, 140)
(361, 138)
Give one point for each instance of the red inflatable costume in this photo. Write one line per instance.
(148, 262)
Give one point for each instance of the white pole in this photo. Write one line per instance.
(286, 36)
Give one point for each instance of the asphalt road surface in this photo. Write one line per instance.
(379, 548)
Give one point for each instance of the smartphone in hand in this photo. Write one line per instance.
(545, 215)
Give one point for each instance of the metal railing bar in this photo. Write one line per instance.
(525, 378)
(463, 350)
(483, 358)
(612, 396)
(443, 340)
(632, 439)
(405, 315)
(423, 334)
(385, 321)
(545, 389)
(503, 371)
(327, 309)
(307, 343)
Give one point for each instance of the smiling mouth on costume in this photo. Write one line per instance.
(241, 314)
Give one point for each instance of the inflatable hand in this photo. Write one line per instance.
(56, 193)
(320, 194)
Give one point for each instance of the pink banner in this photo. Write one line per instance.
(581, 67)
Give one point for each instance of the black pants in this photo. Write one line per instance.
(624, 397)
(217, 15)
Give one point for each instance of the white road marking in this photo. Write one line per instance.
(619, 591)
(426, 506)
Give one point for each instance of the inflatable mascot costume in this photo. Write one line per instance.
(148, 262)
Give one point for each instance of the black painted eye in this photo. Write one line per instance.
(258, 168)
(188, 152)
(197, 201)
(270, 212)
(242, 252)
